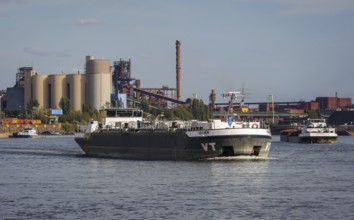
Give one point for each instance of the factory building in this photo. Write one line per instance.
(333, 102)
(14, 99)
(94, 87)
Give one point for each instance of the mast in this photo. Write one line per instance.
(233, 96)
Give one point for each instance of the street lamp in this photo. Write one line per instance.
(271, 98)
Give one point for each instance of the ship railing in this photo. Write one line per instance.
(143, 127)
(254, 124)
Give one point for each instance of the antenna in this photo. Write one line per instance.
(233, 96)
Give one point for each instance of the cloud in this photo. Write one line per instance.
(316, 7)
(12, 1)
(88, 22)
(9, 5)
(44, 52)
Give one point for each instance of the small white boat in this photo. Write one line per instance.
(26, 133)
(315, 131)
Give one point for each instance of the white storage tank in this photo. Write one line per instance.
(56, 84)
(39, 89)
(75, 90)
(28, 87)
(99, 82)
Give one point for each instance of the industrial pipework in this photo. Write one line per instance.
(178, 69)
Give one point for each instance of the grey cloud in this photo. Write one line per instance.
(12, 1)
(88, 22)
(44, 52)
(316, 7)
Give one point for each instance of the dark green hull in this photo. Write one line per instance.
(170, 145)
(310, 140)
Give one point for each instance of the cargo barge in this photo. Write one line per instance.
(125, 134)
(315, 131)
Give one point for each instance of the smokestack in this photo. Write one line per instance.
(212, 99)
(178, 69)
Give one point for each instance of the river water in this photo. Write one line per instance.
(50, 178)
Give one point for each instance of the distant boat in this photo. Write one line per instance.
(315, 131)
(48, 134)
(26, 133)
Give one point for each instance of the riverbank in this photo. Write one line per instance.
(8, 129)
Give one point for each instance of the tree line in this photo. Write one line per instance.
(71, 119)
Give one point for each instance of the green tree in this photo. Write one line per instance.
(31, 104)
(68, 127)
(41, 114)
(87, 108)
(145, 106)
(182, 113)
(65, 104)
(199, 110)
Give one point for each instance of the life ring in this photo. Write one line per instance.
(255, 125)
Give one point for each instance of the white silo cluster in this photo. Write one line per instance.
(93, 87)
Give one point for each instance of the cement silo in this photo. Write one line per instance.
(28, 87)
(56, 84)
(99, 82)
(75, 90)
(39, 89)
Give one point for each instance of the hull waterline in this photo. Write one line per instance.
(171, 146)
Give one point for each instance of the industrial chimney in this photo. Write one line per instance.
(178, 69)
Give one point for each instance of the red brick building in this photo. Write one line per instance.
(333, 102)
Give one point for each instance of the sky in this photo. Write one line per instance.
(291, 49)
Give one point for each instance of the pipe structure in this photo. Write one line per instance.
(212, 99)
(178, 69)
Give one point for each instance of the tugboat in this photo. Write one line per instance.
(125, 134)
(315, 131)
(26, 133)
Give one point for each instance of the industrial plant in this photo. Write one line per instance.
(103, 85)
(100, 86)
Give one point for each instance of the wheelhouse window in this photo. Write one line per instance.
(111, 113)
